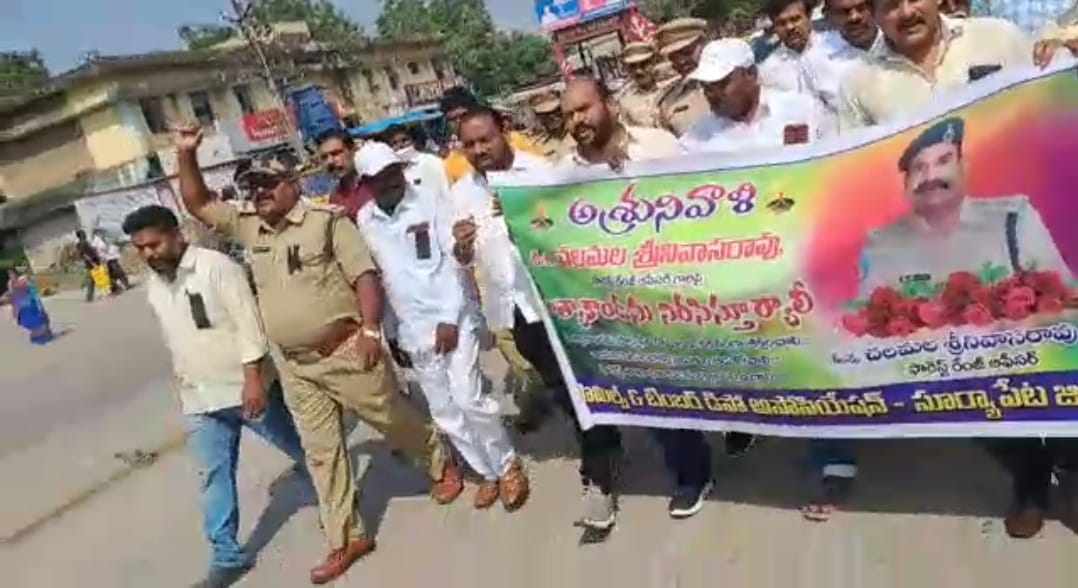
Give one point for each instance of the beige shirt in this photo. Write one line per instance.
(909, 250)
(640, 108)
(681, 105)
(886, 84)
(301, 290)
(640, 143)
(208, 361)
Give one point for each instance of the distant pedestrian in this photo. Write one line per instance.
(90, 258)
(27, 308)
(110, 254)
(203, 301)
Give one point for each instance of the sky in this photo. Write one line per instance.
(64, 30)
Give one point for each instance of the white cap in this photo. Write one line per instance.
(720, 58)
(373, 157)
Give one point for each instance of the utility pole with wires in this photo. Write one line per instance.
(256, 35)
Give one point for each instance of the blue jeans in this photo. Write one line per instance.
(687, 456)
(214, 439)
(833, 457)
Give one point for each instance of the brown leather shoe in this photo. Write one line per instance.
(514, 487)
(1024, 522)
(447, 489)
(339, 560)
(486, 494)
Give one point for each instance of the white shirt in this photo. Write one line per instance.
(422, 280)
(208, 362)
(107, 250)
(776, 112)
(823, 69)
(782, 69)
(498, 262)
(424, 169)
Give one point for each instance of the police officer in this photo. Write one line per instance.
(551, 138)
(682, 103)
(946, 231)
(638, 102)
(311, 266)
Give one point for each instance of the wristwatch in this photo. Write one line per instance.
(371, 333)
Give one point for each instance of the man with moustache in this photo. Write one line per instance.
(925, 54)
(551, 138)
(638, 101)
(746, 115)
(603, 140)
(202, 300)
(855, 35)
(510, 303)
(321, 304)
(946, 231)
(681, 104)
(336, 149)
(454, 103)
(792, 25)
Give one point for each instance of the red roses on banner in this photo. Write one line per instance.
(963, 300)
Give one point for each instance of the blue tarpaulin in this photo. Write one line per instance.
(380, 126)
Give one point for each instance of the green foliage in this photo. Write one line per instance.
(21, 71)
(198, 37)
(492, 61)
(328, 23)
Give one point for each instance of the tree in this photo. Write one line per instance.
(198, 37)
(492, 61)
(327, 23)
(21, 71)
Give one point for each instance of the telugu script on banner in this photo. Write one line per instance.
(910, 280)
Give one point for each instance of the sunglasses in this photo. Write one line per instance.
(256, 182)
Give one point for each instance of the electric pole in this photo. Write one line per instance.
(242, 18)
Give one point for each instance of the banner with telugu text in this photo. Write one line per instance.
(899, 281)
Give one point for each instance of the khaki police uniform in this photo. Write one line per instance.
(304, 270)
(1005, 233)
(639, 107)
(683, 102)
(551, 147)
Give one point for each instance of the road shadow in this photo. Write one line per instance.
(289, 493)
(928, 476)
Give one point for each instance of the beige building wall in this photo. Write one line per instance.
(45, 159)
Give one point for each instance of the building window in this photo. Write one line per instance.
(243, 96)
(413, 68)
(439, 68)
(154, 113)
(394, 80)
(368, 76)
(201, 107)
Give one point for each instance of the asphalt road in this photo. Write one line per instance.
(110, 351)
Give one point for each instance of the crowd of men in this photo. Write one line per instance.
(412, 264)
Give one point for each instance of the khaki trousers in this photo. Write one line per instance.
(523, 379)
(315, 390)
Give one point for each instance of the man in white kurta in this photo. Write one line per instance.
(407, 228)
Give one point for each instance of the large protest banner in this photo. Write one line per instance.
(907, 280)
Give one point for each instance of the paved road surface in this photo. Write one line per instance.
(926, 512)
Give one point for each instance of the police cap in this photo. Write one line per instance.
(949, 130)
(679, 33)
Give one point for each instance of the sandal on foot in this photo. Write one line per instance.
(833, 492)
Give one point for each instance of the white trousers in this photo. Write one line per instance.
(453, 386)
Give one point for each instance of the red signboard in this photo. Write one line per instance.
(266, 125)
(591, 29)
